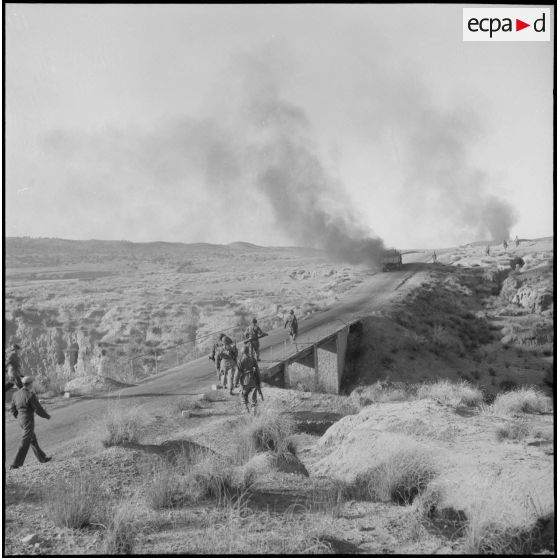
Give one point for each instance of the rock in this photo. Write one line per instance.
(30, 539)
(214, 387)
(67, 394)
(186, 414)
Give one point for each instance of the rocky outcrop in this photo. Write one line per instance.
(534, 296)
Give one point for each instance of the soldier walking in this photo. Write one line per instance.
(228, 353)
(292, 322)
(487, 250)
(434, 257)
(516, 241)
(248, 376)
(13, 368)
(24, 406)
(252, 338)
(214, 354)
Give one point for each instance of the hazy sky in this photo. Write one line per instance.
(273, 124)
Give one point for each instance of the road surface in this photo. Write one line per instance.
(74, 419)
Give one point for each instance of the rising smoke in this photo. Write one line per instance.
(257, 147)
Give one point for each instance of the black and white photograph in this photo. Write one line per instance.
(279, 278)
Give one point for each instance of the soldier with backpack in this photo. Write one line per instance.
(226, 357)
(252, 338)
(292, 322)
(248, 377)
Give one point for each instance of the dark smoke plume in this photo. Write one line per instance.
(307, 202)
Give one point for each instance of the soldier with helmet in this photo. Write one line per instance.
(252, 338)
(248, 377)
(292, 322)
(226, 359)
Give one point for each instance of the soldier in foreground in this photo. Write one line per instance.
(226, 357)
(24, 406)
(13, 368)
(252, 338)
(248, 376)
(292, 322)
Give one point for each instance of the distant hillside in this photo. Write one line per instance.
(25, 251)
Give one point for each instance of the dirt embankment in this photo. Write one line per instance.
(490, 325)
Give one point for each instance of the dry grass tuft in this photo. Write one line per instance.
(400, 478)
(235, 529)
(522, 400)
(454, 394)
(503, 521)
(270, 430)
(122, 530)
(122, 426)
(73, 501)
(517, 430)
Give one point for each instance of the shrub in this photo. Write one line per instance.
(216, 478)
(122, 530)
(400, 478)
(502, 522)
(270, 430)
(523, 400)
(166, 487)
(122, 426)
(72, 501)
(448, 393)
(513, 431)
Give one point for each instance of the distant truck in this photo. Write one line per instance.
(391, 259)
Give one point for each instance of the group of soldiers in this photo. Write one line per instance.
(231, 372)
(244, 372)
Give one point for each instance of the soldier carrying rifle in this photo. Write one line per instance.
(252, 338)
(248, 377)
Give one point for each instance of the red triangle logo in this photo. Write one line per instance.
(519, 25)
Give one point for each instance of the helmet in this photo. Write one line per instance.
(27, 380)
(254, 321)
(221, 336)
(292, 311)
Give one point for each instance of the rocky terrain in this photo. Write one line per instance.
(442, 441)
(114, 309)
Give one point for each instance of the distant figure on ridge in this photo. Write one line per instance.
(434, 257)
(487, 250)
(516, 241)
(252, 338)
(13, 368)
(248, 376)
(505, 244)
(292, 322)
(24, 406)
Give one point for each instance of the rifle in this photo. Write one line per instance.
(254, 338)
(260, 392)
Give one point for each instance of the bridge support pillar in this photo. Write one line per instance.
(330, 362)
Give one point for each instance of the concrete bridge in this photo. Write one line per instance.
(317, 364)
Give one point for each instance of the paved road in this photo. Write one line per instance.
(74, 419)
